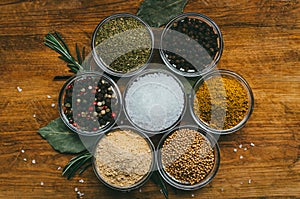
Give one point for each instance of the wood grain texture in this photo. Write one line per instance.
(262, 41)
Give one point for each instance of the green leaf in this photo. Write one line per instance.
(61, 138)
(157, 12)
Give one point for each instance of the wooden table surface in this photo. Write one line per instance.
(262, 41)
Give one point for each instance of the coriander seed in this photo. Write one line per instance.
(188, 158)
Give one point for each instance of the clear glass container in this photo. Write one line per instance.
(221, 102)
(124, 158)
(90, 103)
(122, 44)
(191, 44)
(154, 101)
(188, 158)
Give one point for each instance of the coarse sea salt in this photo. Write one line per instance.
(154, 101)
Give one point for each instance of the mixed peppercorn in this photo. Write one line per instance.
(90, 105)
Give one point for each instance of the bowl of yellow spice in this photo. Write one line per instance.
(122, 44)
(221, 102)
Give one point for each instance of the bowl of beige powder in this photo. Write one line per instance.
(124, 158)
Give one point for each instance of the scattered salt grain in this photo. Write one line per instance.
(140, 190)
(235, 150)
(241, 146)
(19, 89)
(241, 183)
(49, 96)
(34, 115)
(42, 183)
(53, 105)
(80, 194)
(76, 189)
(193, 195)
(241, 157)
(25, 159)
(222, 189)
(33, 161)
(252, 144)
(245, 149)
(249, 181)
(58, 168)
(22, 151)
(161, 191)
(81, 181)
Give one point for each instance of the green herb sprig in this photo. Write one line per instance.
(79, 163)
(56, 43)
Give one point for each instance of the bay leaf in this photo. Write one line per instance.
(157, 12)
(61, 138)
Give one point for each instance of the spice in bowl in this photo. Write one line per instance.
(223, 101)
(123, 159)
(122, 44)
(89, 103)
(154, 101)
(188, 158)
(191, 44)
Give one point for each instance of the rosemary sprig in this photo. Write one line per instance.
(156, 178)
(79, 163)
(56, 43)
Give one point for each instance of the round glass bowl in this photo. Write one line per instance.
(191, 44)
(124, 158)
(188, 158)
(221, 102)
(90, 103)
(154, 101)
(122, 44)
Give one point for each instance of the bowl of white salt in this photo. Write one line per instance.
(154, 101)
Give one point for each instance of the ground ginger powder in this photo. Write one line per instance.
(123, 158)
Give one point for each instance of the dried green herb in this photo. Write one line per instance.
(157, 12)
(61, 138)
(123, 44)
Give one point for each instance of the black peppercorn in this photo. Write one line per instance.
(190, 45)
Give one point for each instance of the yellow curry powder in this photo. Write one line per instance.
(221, 102)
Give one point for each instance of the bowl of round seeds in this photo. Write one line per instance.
(188, 158)
(221, 102)
(122, 44)
(90, 103)
(124, 158)
(154, 101)
(191, 44)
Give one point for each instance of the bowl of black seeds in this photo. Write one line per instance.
(122, 44)
(188, 158)
(191, 44)
(90, 103)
